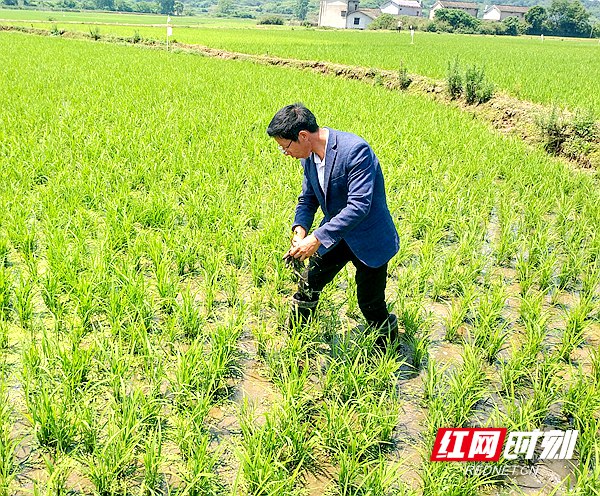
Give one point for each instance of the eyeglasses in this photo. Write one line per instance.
(284, 150)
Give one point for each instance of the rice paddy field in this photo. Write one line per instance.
(144, 214)
(562, 72)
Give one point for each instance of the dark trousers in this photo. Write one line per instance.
(370, 282)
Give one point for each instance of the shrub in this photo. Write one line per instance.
(477, 89)
(272, 20)
(492, 28)
(403, 77)
(454, 80)
(554, 130)
(384, 21)
(95, 33)
(55, 31)
(137, 37)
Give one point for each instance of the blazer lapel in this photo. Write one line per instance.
(330, 155)
(314, 179)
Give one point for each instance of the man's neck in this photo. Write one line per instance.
(319, 143)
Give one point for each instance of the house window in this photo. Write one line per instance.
(356, 21)
(343, 13)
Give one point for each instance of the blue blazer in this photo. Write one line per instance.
(353, 203)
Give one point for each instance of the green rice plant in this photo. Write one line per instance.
(8, 445)
(467, 386)
(74, 365)
(58, 472)
(433, 381)
(24, 302)
(451, 479)
(587, 471)
(152, 459)
(88, 427)
(360, 372)
(371, 477)
(525, 273)
(112, 460)
(4, 339)
(457, 314)
(590, 280)
(52, 293)
(189, 319)
(264, 462)
(570, 269)
(4, 250)
(231, 287)
(167, 283)
(5, 293)
(508, 236)
(581, 402)
(544, 381)
(411, 316)
(86, 305)
(576, 324)
(546, 272)
(360, 427)
(489, 328)
(200, 478)
(51, 416)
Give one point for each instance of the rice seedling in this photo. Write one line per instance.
(112, 460)
(457, 315)
(24, 302)
(189, 318)
(8, 445)
(5, 293)
(152, 459)
(577, 322)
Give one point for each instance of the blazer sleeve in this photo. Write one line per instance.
(307, 205)
(361, 184)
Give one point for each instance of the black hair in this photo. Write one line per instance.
(290, 120)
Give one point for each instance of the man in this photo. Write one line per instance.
(341, 175)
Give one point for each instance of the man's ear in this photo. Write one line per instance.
(303, 135)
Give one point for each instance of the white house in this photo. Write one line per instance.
(361, 18)
(402, 7)
(469, 8)
(345, 14)
(500, 12)
(333, 13)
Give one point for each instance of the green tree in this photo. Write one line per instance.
(105, 4)
(458, 19)
(536, 17)
(178, 7)
(225, 7)
(301, 9)
(384, 21)
(511, 26)
(568, 18)
(166, 6)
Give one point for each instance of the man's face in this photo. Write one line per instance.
(296, 149)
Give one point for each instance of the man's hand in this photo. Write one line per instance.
(306, 247)
(298, 235)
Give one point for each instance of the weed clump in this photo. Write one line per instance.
(472, 84)
(404, 78)
(572, 136)
(454, 80)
